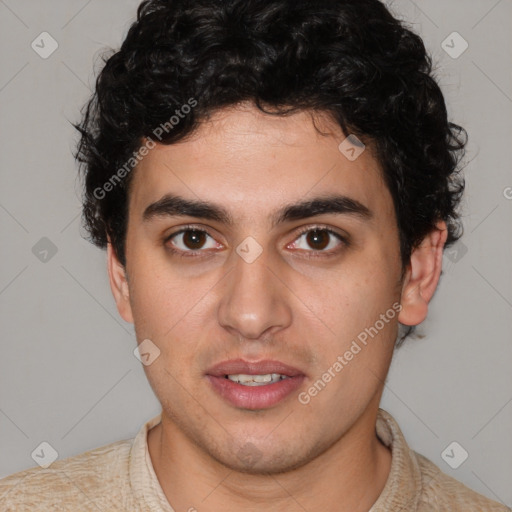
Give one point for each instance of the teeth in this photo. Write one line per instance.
(256, 380)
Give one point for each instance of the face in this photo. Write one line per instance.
(289, 260)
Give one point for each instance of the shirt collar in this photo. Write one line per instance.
(143, 480)
(403, 486)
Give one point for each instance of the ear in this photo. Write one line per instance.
(119, 284)
(422, 276)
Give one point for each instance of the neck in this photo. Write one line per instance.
(349, 476)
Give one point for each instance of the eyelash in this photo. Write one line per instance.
(312, 254)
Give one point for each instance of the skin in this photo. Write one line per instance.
(199, 311)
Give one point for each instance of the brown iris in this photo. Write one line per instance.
(194, 239)
(318, 238)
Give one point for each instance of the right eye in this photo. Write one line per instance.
(189, 241)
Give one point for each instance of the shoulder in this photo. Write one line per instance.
(442, 492)
(91, 480)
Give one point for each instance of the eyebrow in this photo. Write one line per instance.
(176, 206)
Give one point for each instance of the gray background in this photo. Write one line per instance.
(68, 375)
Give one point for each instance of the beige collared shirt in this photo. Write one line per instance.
(120, 477)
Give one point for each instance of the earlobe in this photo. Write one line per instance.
(422, 276)
(119, 284)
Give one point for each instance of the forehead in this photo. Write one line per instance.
(254, 162)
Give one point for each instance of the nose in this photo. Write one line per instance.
(256, 300)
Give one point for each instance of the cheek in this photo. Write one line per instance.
(362, 314)
(157, 295)
(355, 299)
(169, 311)
(354, 363)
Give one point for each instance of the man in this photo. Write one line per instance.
(275, 183)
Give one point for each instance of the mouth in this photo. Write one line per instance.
(254, 385)
(256, 380)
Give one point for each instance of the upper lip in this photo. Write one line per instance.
(240, 366)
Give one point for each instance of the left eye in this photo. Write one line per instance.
(318, 239)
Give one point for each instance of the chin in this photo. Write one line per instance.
(252, 459)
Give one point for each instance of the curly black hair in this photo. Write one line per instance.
(350, 59)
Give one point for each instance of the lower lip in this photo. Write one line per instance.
(255, 397)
